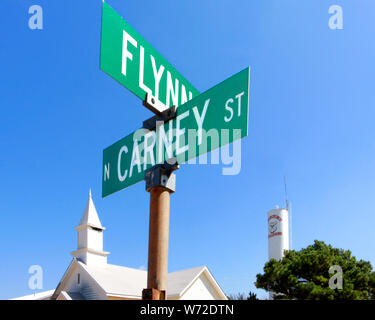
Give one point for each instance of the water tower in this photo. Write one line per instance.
(278, 232)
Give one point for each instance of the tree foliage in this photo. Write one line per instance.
(305, 275)
(242, 296)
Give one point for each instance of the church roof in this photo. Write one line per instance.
(45, 295)
(129, 282)
(90, 216)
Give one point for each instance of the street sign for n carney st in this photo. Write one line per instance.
(211, 120)
(128, 58)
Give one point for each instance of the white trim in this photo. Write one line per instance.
(65, 295)
(68, 272)
(109, 294)
(75, 264)
(215, 284)
(211, 280)
(117, 295)
(180, 294)
(101, 253)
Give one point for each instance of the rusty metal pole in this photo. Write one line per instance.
(160, 182)
(158, 239)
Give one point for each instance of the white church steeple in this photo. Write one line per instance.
(90, 237)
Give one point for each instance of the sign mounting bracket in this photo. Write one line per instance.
(153, 105)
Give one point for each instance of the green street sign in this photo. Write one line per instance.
(128, 58)
(211, 120)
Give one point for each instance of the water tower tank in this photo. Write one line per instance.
(278, 233)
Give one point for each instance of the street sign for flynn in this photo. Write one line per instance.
(186, 125)
(211, 120)
(128, 58)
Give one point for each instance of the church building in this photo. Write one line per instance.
(90, 277)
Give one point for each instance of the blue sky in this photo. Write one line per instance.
(311, 118)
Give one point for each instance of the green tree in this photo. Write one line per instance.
(305, 275)
(242, 296)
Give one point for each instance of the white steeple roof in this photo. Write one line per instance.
(90, 237)
(90, 216)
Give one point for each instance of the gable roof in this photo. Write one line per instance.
(45, 295)
(118, 281)
(129, 282)
(179, 281)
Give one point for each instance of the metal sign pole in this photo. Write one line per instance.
(158, 240)
(160, 183)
